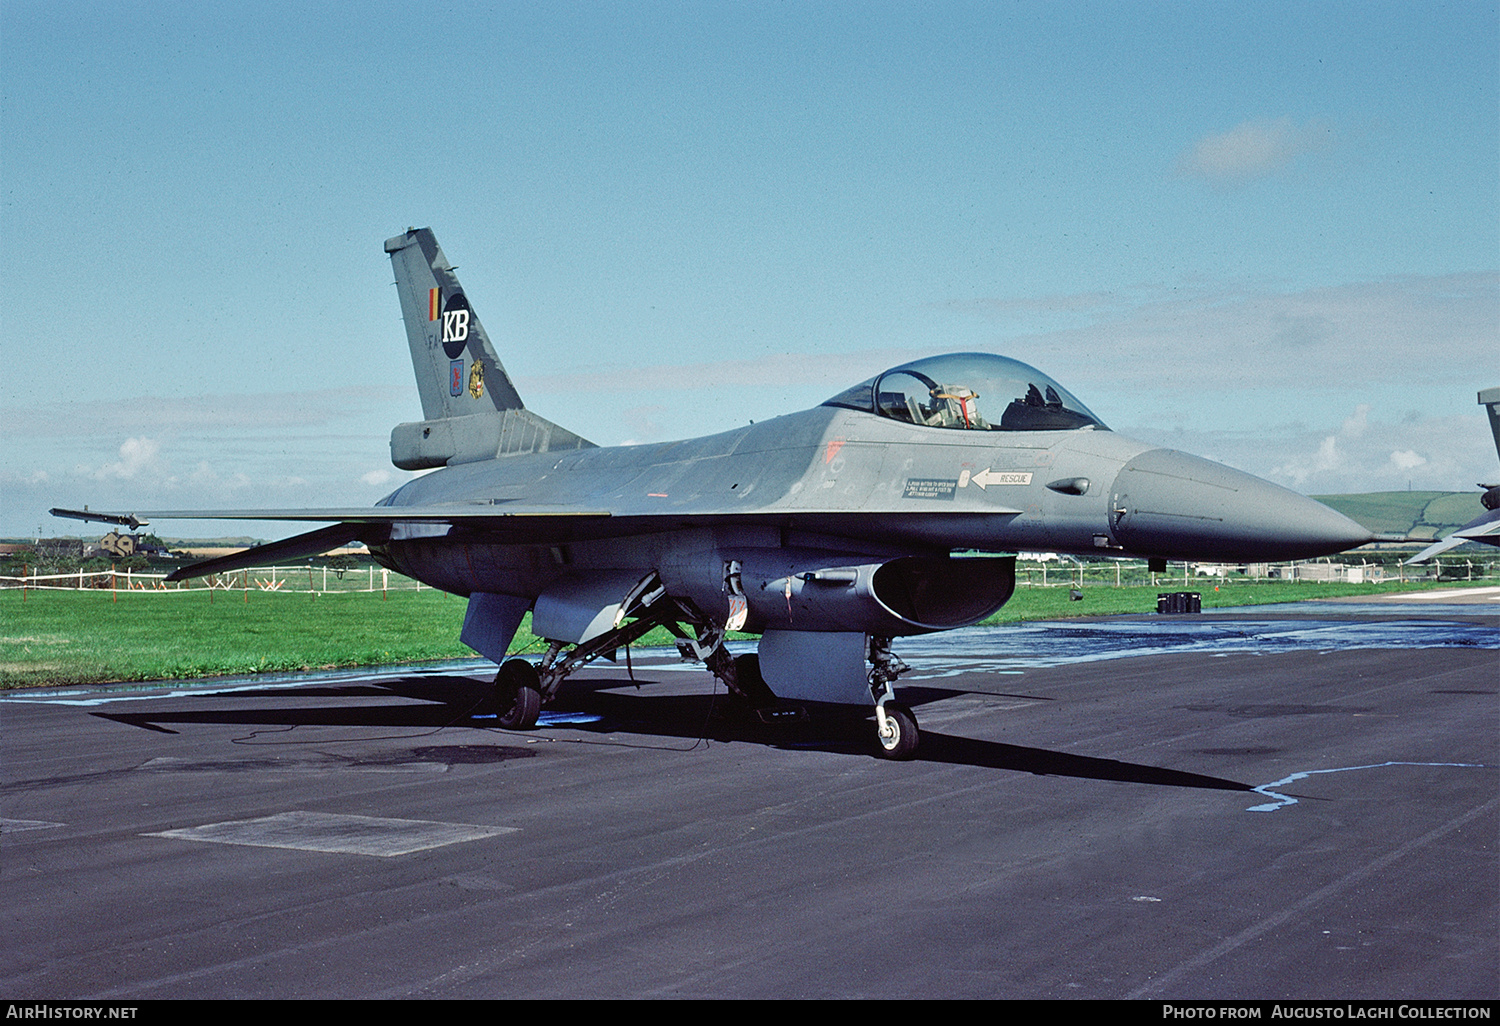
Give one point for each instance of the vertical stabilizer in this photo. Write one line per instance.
(1490, 400)
(458, 373)
(471, 409)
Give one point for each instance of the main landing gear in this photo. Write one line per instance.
(521, 689)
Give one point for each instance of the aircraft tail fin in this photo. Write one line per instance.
(1489, 398)
(471, 409)
(458, 373)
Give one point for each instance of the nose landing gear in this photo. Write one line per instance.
(895, 725)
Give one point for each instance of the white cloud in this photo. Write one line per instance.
(1430, 453)
(209, 478)
(1253, 150)
(1332, 360)
(376, 477)
(1303, 466)
(137, 455)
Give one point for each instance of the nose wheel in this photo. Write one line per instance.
(896, 730)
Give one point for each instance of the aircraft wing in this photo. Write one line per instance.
(519, 523)
(445, 514)
(1485, 529)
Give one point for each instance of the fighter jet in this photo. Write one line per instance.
(894, 508)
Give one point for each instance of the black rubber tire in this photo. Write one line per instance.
(518, 695)
(903, 744)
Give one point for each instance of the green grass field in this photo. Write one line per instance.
(69, 637)
(78, 636)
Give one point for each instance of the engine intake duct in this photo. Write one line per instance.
(943, 592)
(787, 590)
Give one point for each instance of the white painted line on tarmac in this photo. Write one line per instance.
(341, 834)
(11, 826)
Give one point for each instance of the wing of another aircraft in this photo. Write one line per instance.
(1484, 528)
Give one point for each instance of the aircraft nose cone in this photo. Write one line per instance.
(1168, 503)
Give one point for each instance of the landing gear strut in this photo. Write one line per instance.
(741, 675)
(521, 688)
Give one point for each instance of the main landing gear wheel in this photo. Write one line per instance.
(898, 740)
(518, 695)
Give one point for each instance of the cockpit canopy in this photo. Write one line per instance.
(970, 392)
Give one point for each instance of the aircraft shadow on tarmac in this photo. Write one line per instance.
(602, 706)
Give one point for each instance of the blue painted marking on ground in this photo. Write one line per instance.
(563, 719)
(1283, 801)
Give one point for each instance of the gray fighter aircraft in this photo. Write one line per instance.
(894, 508)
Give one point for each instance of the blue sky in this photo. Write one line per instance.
(1268, 233)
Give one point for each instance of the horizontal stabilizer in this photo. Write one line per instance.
(313, 543)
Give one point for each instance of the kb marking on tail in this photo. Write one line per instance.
(455, 325)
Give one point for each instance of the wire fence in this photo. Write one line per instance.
(1061, 573)
(1070, 573)
(282, 579)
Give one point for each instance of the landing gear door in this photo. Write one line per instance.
(817, 666)
(490, 623)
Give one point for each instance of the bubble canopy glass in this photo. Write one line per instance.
(970, 392)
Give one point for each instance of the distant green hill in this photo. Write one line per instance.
(1424, 515)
